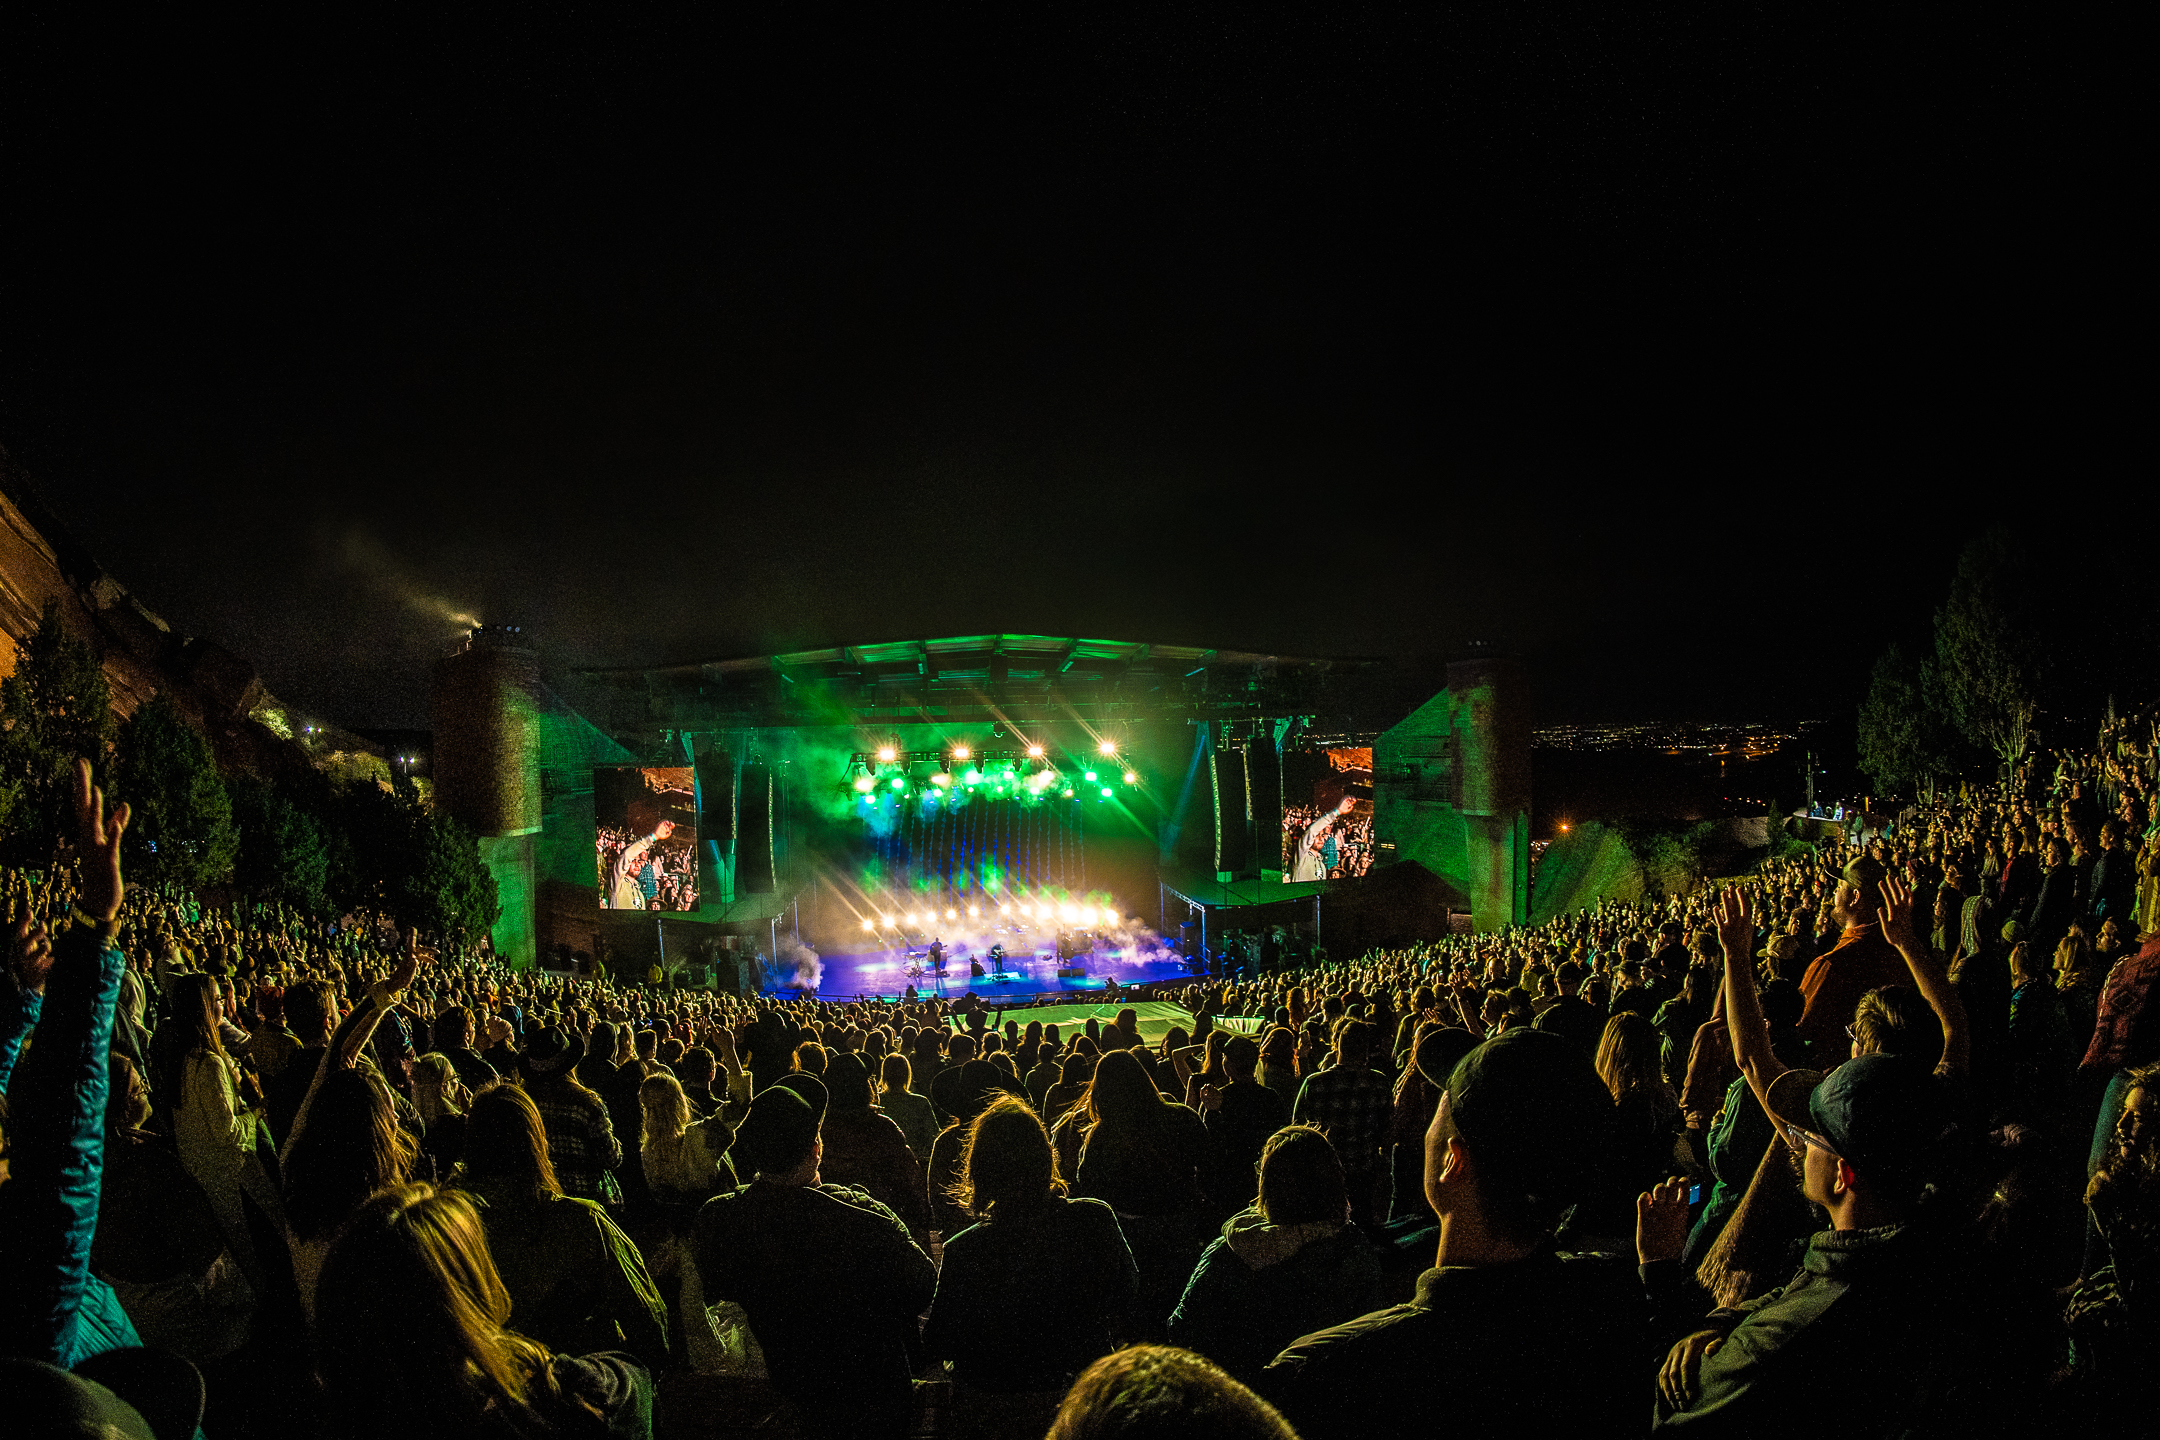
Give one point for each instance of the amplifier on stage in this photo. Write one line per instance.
(1072, 972)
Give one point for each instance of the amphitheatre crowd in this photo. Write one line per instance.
(1868, 1140)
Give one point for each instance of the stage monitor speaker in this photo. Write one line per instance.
(1233, 852)
(716, 793)
(1263, 788)
(754, 832)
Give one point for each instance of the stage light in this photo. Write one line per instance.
(1132, 777)
(886, 921)
(1106, 792)
(959, 752)
(941, 778)
(886, 755)
(868, 926)
(866, 784)
(952, 914)
(1089, 777)
(914, 919)
(1035, 752)
(973, 912)
(1067, 792)
(1004, 910)
(1108, 747)
(899, 782)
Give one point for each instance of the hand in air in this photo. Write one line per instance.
(1661, 1221)
(1735, 923)
(97, 838)
(1897, 914)
(30, 955)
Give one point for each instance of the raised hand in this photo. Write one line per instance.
(1735, 923)
(1661, 1221)
(29, 953)
(97, 839)
(1897, 914)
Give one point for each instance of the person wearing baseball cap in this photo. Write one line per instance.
(1522, 1127)
(829, 1277)
(1872, 1137)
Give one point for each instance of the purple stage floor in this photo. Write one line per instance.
(884, 973)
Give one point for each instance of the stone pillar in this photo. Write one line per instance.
(1490, 734)
(487, 769)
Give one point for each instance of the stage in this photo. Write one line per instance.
(884, 974)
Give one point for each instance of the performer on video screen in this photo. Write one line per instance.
(626, 890)
(1315, 856)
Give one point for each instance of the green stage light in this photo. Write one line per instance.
(1089, 777)
(1106, 792)
(866, 784)
(899, 783)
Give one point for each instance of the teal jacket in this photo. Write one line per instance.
(51, 1307)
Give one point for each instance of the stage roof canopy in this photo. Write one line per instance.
(1020, 677)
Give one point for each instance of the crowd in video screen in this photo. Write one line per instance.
(646, 819)
(1327, 813)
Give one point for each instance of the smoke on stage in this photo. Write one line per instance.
(797, 967)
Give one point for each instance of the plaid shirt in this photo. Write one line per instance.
(1353, 1107)
(2128, 1031)
(581, 1140)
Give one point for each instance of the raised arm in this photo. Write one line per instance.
(1743, 1003)
(1928, 974)
(350, 1038)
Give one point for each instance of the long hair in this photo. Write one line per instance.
(667, 1116)
(895, 1075)
(1627, 1056)
(410, 1313)
(352, 1147)
(1008, 1166)
(432, 1076)
(192, 997)
(1121, 1093)
(506, 1145)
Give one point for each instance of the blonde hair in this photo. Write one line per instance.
(667, 1116)
(412, 1314)
(432, 1077)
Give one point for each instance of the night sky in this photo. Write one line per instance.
(1677, 353)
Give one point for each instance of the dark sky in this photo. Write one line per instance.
(1677, 352)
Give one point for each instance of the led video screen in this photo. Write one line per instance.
(1327, 813)
(646, 819)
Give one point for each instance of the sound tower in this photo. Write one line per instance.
(716, 791)
(754, 831)
(1263, 771)
(1233, 850)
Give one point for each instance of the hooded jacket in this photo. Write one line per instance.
(1260, 1286)
(1864, 1321)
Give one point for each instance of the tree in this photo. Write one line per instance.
(1906, 736)
(1987, 647)
(183, 829)
(283, 856)
(422, 867)
(54, 709)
